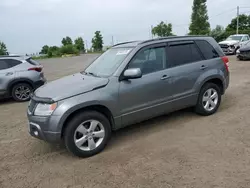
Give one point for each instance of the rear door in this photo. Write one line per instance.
(187, 65)
(7, 74)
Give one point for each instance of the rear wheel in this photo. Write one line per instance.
(87, 133)
(209, 99)
(21, 92)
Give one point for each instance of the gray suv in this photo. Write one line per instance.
(129, 83)
(19, 75)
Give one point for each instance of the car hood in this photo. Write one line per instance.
(229, 42)
(69, 86)
(245, 49)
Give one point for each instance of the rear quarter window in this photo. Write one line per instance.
(207, 49)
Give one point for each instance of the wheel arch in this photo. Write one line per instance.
(216, 80)
(17, 81)
(96, 107)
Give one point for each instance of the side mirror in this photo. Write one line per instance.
(132, 73)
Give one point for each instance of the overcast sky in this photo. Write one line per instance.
(27, 25)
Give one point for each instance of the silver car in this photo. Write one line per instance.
(129, 83)
(19, 76)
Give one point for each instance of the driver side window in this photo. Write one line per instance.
(245, 38)
(149, 60)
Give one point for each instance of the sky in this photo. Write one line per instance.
(27, 25)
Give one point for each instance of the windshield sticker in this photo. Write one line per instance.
(123, 52)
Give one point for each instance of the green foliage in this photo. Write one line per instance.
(244, 25)
(218, 33)
(163, 29)
(45, 49)
(66, 41)
(3, 49)
(199, 19)
(54, 51)
(79, 44)
(69, 49)
(97, 42)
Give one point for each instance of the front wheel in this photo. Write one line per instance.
(209, 99)
(87, 133)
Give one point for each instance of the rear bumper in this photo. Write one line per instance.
(39, 83)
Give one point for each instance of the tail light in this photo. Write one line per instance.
(226, 62)
(38, 69)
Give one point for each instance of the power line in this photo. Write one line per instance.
(226, 11)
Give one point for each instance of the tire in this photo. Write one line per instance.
(204, 99)
(17, 92)
(77, 129)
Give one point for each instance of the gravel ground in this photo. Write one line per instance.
(181, 149)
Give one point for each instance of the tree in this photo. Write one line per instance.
(79, 44)
(3, 49)
(199, 19)
(244, 24)
(69, 49)
(45, 49)
(54, 51)
(97, 42)
(218, 33)
(67, 41)
(163, 29)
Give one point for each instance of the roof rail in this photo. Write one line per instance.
(170, 37)
(10, 56)
(124, 43)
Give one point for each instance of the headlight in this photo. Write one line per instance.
(43, 109)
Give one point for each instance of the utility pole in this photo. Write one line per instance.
(86, 44)
(237, 28)
(112, 41)
(151, 31)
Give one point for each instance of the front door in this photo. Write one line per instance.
(146, 97)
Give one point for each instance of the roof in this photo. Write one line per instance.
(136, 43)
(18, 57)
(240, 35)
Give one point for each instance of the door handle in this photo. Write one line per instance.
(164, 77)
(203, 67)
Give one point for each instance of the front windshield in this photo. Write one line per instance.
(108, 62)
(238, 38)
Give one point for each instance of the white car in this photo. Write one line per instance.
(233, 43)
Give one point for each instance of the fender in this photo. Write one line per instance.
(209, 75)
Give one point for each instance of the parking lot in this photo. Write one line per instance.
(181, 149)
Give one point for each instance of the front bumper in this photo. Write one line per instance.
(244, 55)
(228, 51)
(44, 128)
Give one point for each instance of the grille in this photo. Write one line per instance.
(224, 46)
(32, 105)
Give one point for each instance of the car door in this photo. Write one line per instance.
(7, 74)
(187, 65)
(146, 97)
(244, 40)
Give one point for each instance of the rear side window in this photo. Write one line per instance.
(32, 62)
(12, 62)
(3, 65)
(183, 53)
(207, 49)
